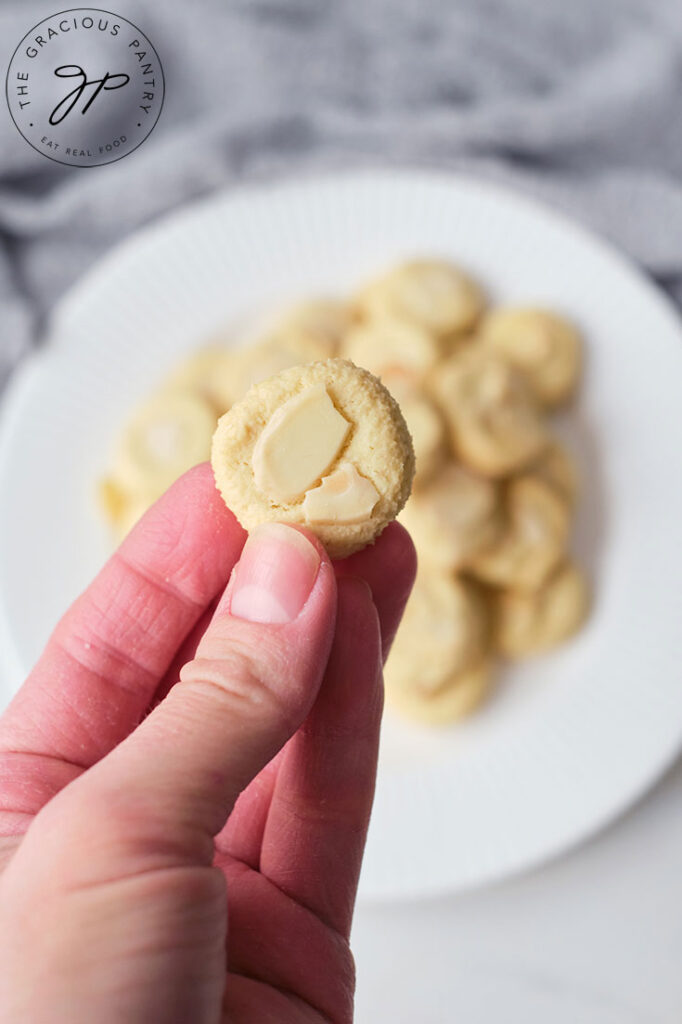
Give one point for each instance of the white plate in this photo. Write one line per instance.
(570, 740)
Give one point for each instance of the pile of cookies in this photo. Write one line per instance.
(494, 492)
(173, 429)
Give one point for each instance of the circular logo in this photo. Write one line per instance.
(85, 87)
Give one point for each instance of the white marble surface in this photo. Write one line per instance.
(593, 938)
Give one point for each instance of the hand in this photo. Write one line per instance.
(190, 852)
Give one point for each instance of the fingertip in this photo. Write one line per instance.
(314, 540)
(389, 563)
(398, 549)
(393, 551)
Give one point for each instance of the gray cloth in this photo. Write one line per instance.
(577, 101)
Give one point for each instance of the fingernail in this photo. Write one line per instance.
(274, 576)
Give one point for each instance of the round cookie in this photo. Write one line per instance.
(166, 436)
(322, 445)
(460, 697)
(433, 294)
(533, 541)
(388, 345)
(544, 345)
(527, 624)
(454, 517)
(444, 631)
(314, 329)
(497, 427)
(424, 422)
(208, 373)
(428, 436)
(256, 362)
(557, 468)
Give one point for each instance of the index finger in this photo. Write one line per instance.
(104, 660)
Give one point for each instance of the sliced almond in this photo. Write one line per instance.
(345, 496)
(298, 444)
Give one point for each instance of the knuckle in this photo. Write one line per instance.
(345, 965)
(234, 677)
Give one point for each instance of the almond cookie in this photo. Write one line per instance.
(323, 445)
(462, 695)
(253, 363)
(557, 468)
(389, 345)
(530, 623)
(432, 294)
(544, 345)
(444, 631)
(167, 436)
(496, 424)
(314, 329)
(425, 424)
(454, 518)
(208, 373)
(533, 541)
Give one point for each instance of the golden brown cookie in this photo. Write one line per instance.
(167, 435)
(254, 363)
(544, 345)
(208, 373)
(533, 541)
(388, 345)
(527, 624)
(461, 696)
(432, 294)
(313, 330)
(496, 424)
(557, 468)
(322, 445)
(443, 632)
(425, 423)
(454, 517)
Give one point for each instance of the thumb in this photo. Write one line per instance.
(159, 798)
